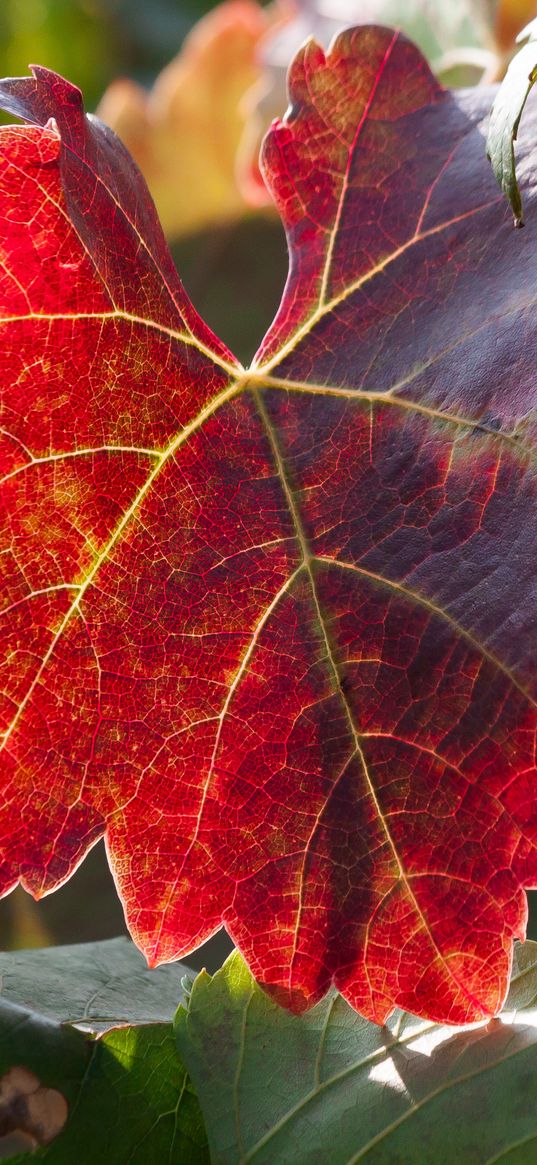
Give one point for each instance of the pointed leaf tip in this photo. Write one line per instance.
(41, 96)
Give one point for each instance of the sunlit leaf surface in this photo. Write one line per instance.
(274, 630)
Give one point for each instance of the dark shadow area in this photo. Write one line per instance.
(85, 909)
(532, 917)
(235, 277)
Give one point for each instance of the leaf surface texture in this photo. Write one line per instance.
(273, 630)
(329, 1086)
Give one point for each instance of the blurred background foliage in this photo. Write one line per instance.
(191, 86)
(93, 41)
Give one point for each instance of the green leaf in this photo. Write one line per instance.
(329, 1086)
(505, 118)
(121, 1097)
(100, 984)
(129, 1101)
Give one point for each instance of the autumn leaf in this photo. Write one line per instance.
(273, 630)
(196, 133)
(458, 39)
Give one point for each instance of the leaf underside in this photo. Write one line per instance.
(273, 630)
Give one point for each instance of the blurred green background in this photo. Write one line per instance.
(92, 41)
(234, 274)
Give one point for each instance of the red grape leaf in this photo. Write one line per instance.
(274, 630)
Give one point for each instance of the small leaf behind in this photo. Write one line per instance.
(505, 119)
(100, 985)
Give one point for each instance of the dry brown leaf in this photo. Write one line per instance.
(29, 1108)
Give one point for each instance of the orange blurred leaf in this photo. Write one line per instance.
(185, 132)
(511, 16)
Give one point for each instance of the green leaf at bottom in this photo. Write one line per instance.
(328, 1086)
(134, 1105)
(99, 984)
(119, 1098)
